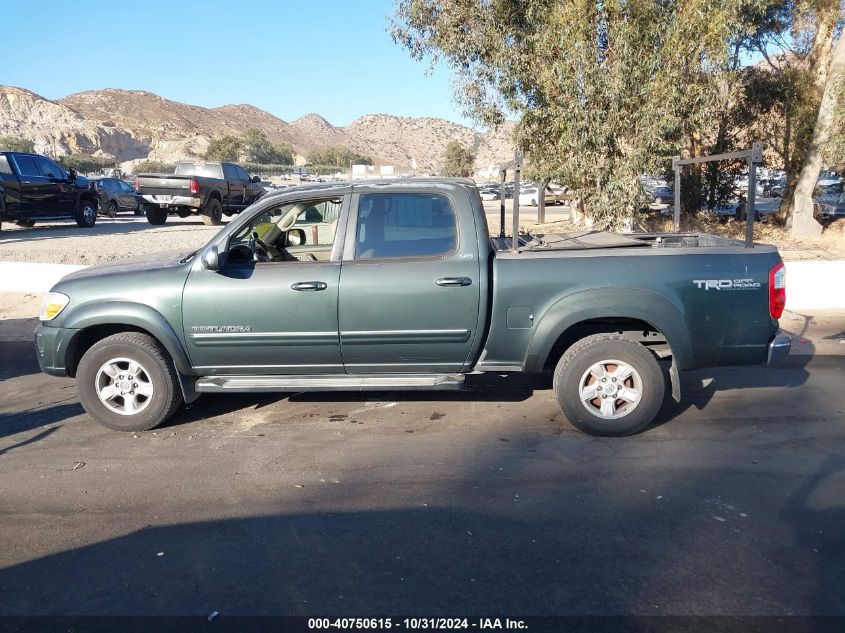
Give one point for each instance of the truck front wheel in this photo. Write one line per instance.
(609, 386)
(127, 383)
(212, 214)
(156, 215)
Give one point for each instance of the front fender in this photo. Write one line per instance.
(127, 313)
(644, 305)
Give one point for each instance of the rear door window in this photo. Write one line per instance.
(26, 166)
(405, 225)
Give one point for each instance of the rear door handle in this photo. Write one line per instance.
(449, 282)
(309, 285)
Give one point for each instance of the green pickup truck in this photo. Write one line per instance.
(394, 285)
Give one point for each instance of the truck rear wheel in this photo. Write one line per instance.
(609, 386)
(126, 382)
(212, 214)
(155, 215)
(86, 214)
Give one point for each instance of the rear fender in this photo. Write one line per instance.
(624, 303)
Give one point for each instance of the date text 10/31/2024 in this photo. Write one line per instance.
(416, 623)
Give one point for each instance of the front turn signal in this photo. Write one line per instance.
(52, 305)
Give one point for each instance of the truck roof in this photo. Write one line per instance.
(343, 185)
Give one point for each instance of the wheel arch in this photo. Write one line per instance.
(90, 196)
(97, 321)
(608, 310)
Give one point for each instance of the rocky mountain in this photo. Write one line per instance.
(134, 124)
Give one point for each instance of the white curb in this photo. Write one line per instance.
(815, 285)
(29, 277)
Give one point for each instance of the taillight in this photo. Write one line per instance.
(195, 187)
(137, 184)
(777, 290)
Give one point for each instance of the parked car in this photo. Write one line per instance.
(34, 188)
(118, 195)
(529, 196)
(210, 189)
(396, 284)
(829, 200)
(490, 193)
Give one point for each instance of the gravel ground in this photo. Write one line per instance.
(109, 240)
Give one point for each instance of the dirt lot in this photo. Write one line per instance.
(109, 240)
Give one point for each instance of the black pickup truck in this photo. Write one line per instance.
(207, 188)
(33, 187)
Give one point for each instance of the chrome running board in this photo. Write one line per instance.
(329, 382)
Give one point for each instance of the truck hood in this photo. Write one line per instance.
(132, 266)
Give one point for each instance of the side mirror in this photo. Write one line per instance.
(71, 174)
(256, 179)
(296, 237)
(210, 258)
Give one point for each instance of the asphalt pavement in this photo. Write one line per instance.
(472, 503)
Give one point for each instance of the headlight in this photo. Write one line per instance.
(52, 305)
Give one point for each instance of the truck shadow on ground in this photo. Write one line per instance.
(698, 389)
(36, 418)
(17, 358)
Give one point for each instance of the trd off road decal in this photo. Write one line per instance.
(727, 284)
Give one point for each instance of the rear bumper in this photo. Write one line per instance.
(778, 350)
(168, 202)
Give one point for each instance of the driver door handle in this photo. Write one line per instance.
(450, 282)
(311, 286)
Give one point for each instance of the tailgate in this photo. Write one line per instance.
(164, 185)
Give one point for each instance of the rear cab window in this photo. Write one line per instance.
(393, 225)
(208, 170)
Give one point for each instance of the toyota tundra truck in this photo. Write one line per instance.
(396, 285)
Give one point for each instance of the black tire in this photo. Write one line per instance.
(86, 214)
(27, 223)
(156, 368)
(111, 209)
(139, 209)
(572, 374)
(156, 215)
(212, 213)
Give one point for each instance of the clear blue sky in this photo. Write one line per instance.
(333, 57)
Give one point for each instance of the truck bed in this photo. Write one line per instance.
(592, 240)
(708, 294)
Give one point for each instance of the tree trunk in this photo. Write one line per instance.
(819, 59)
(541, 201)
(803, 223)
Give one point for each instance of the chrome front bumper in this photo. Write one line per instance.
(778, 349)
